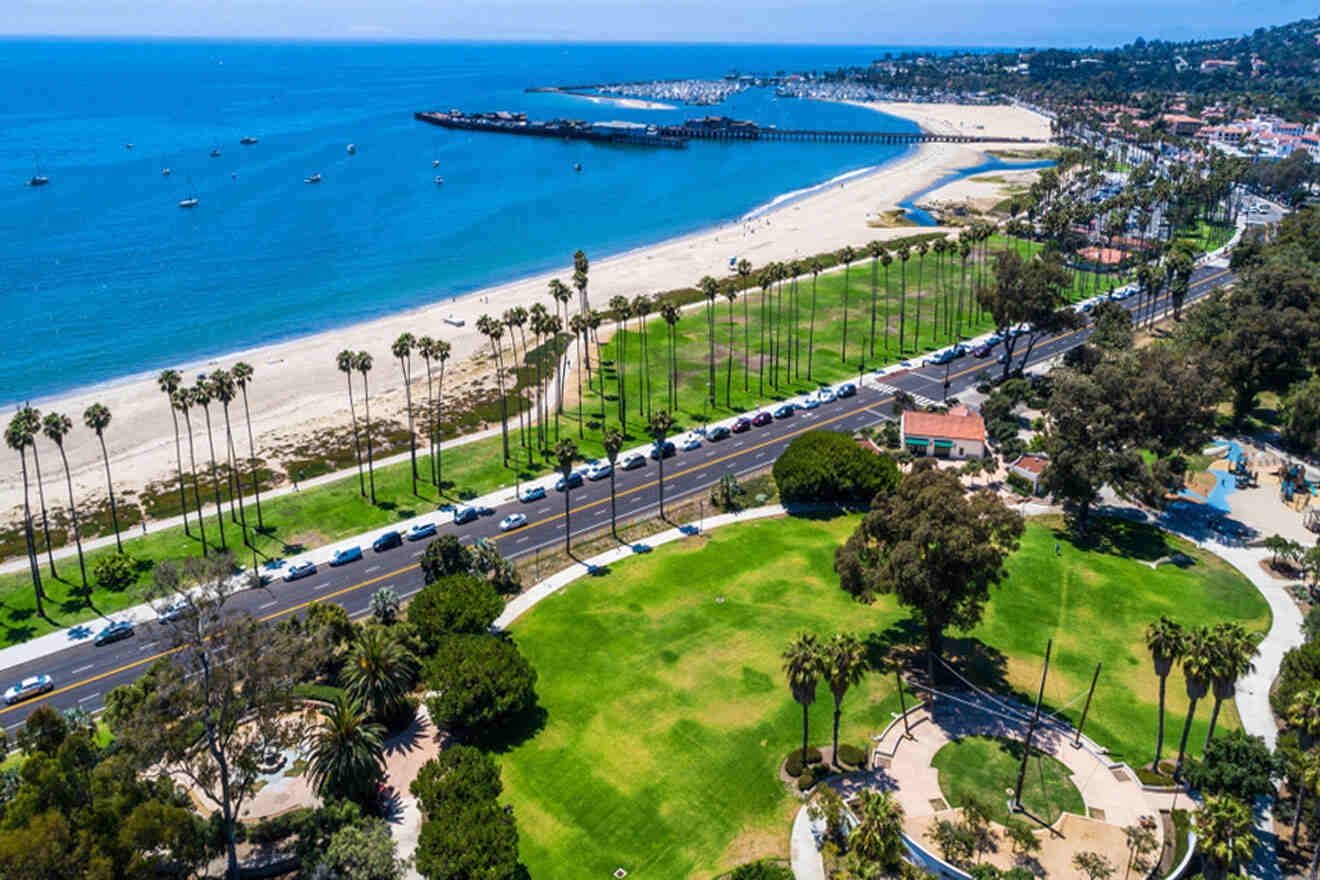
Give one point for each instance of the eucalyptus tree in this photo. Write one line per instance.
(201, 396)
(56, 426)
(169, 381)
(346, 361)
(242, 374)
(363, 362)
(97, 418)
(182, 402)
(403, 349)
(18, 436)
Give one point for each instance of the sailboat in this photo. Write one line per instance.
(315, 178)
(191, 201)
(165, 172)
(352, 149)
(37, 178)
(215, 153)
(248, 140)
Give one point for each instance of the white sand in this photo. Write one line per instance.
(630, 103)
(297, 387)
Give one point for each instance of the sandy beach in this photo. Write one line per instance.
(630, 103)
(297, 388)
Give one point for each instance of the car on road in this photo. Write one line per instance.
(783, 412)
(847, 389)
(632, 460)
(348, 554)
(689, 442)
(827, 395)
(950, 354)
(387, 541)
(762, 418)
(982, 350)
(599, 470)
(1002, 359)
(740, 424)
(176, 610)
(573, 480)
(668, 447)
(532, 493)
(116, 631)
(28, 688)
(719, 432)
(513, 521)
(421, 530)
(808, 402)
(300, 570)
(465, 515)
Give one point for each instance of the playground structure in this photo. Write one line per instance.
(1295, 490)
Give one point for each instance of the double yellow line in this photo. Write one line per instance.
(407, 568)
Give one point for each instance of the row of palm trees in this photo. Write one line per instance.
(21, 435)
(840, 661)
(1213, 659)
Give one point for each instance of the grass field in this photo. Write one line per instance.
(984, 767)
(666, 712)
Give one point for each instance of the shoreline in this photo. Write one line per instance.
(297, 390)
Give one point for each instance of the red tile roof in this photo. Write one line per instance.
(1032, 464)
(965, 425)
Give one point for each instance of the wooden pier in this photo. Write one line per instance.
(759, 133)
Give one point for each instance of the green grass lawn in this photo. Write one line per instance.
(984, 767)
(666, 713)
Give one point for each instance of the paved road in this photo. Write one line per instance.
(84, 673)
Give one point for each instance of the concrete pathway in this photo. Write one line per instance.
(803, 854)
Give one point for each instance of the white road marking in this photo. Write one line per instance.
(89, 697)
(83, 668)
(267, 605)
(321, 587)
(373, 568)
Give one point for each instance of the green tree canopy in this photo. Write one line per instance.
(458, 603)
(479, 680)
(829, 466)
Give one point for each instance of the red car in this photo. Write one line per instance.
(762, 418)
(742, 424)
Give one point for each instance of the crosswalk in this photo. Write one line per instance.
(921, 400)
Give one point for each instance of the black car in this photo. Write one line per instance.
(719, 432)
(785, 411)
(387, 541)
(847, 389)
(114, 632)
(669, 449)
(574, 480)
(742, 424)
(762, 419)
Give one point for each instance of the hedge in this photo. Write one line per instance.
(793, 764)
(813, 774)
(851, 755)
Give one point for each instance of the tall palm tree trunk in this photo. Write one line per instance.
(215, 478)
(73, 512)
(41, 500)
(1159, 727)
(178, 457)
(357, 439)
(235, 483)
(197, 495)
(371, 457)
(747, 345)
(843, 355)
(252, 460)
(874, 271)
(110, 488)
(33, 562)
(728, 375)
(811, 328)
(1187, 728)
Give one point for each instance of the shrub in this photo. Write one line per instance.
(1018, 483)
(793, 763)
(829, 466)
(443, 557)
(478, 680)
(115, 573)
(810, 776)
(459, 603)
(1299, 671)
(851, 755)
(385, 605)
(762, 870)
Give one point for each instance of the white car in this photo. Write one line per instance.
(513, 521)
(632, 460)
(826, 395)
(598, 470)
(689, 443)
(809, 402)
(174, 611)
(29, 688)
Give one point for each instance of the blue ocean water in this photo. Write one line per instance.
(102, 275)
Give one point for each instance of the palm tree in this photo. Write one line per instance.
(1224, 835)
(802, 665)
(843, 663)
(1234, 649)
(886, 259)
(379, 673)
(18, 434)
(494, 331)
(222, 388)
(565, 452)
(621, 311)
(346, 753)
(594, 320)
(56, 426)
(201, 396)
(613, 442)
(641, 307)
(658, 427)
(670, 313)
(903, 256)
(402, 349)
(765, 281)
(878, 835)
(242, 374)
(97, 418)
(964, 251)
(561, 295)
(439, 351)
(578, 325)
(731, 294)
(553, 327)
(710, 289)
(815, 266)
(182, 401)
(33, 418)
(846, 256)
(795, 269)
(744, 270)
(426, 351)
(514, 319)
(169, 381)
(362, 362)
(1304, 717)
(1198, 662)
(1165, 640)
(874, 250)
(347, 363)
(922, 248)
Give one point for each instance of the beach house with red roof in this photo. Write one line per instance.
(960, 433)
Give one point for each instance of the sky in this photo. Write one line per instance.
(896, 22)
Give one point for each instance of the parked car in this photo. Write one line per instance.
(827, 395)
(513, 521)
(574, 480)
(740, 424)
(783, 412)
(176, 610)
(847, 389)
(599, 470)
(301, 570)
(808, 402)
(465, 515)
(387, 541)
(532, 493)
(632, 460)
(689, 442)
(669, 450)
(719, 432)
(421, 530)
(762, 418)
(28, 688)
(116, 631)
(981, 351)
(348, 554)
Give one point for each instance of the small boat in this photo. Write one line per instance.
(439, 180)
(315, 178)
(577, 166)
(190, 202)
(351, 148)
(435, 163)
(165, 172)
(38, 180)
(128, 146)
(215, 153)
(248, 140)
